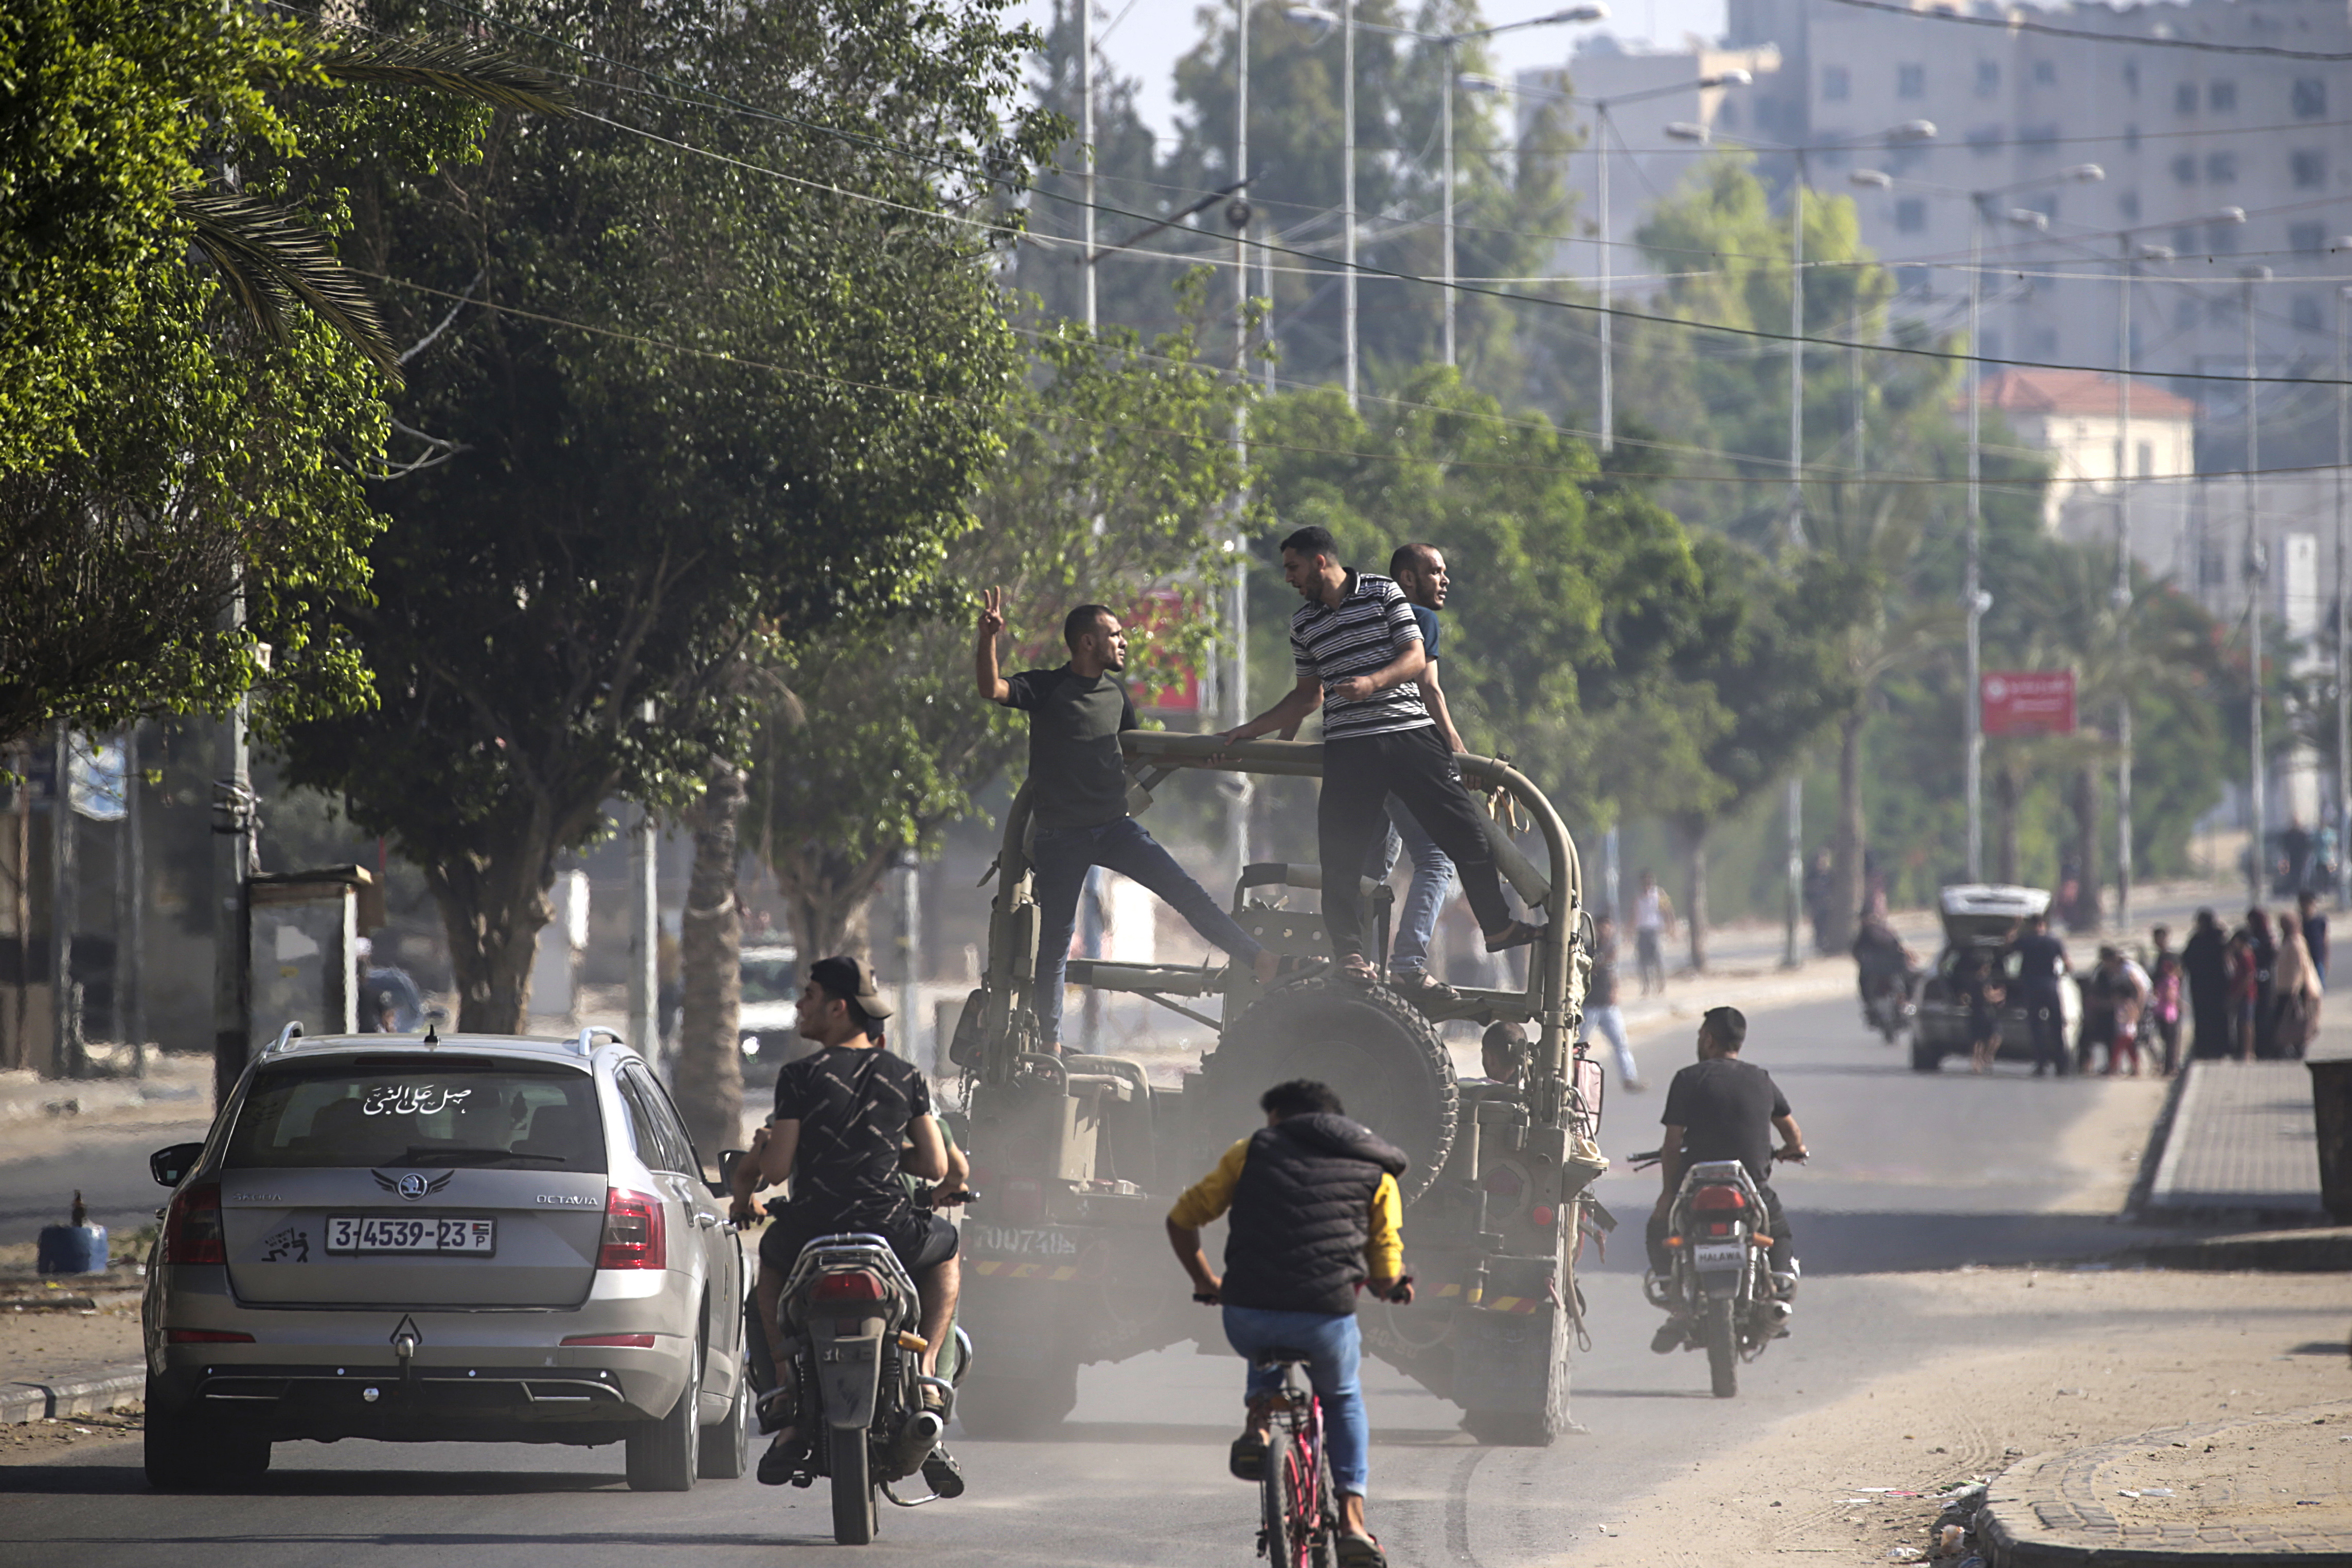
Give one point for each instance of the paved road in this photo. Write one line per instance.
(1911, 1172)
(109, 1166)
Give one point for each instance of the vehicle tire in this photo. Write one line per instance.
(1722, 1349)
(999, 1405)
(189, 1454)
(1366, 1041)
(725, 1445)
(1924, 1058)
(853, 1490)
(663, 1455)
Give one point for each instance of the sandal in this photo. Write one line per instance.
(1357, 969)
(1360, 1551)
(1416, 986)
(1247, 1461)
(1518, 934)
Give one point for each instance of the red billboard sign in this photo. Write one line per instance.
(2029, 701)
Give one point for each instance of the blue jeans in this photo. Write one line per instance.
(1061, 857)
(1333, 1348)
(1425, 900)
(1609, 1020)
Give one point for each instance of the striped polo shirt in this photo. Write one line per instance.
(1362, 637)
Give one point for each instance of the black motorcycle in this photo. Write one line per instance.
(1733, 1296)
(1890, 1001)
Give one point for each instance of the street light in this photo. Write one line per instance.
(2257, 573)
(1974, 600)
(1601, 107)
(1317, 22)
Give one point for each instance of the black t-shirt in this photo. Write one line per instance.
(2041, 960)
(1076, 777)
(1725, 1108)
(855, 1107)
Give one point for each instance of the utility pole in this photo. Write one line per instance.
(1348, 194)
(1796, 357)
(2342, 664)
(65, 915)
(232, 856)
(2123, 590)
(910, 971)
(2257, 573)
(1087, 143)
(131, 881)
(1792, 952)
(1972, 587)
(1234, 687)
(1446, 135)
(645, 934)
(1608, 284)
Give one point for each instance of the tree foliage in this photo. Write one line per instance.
(722, 362)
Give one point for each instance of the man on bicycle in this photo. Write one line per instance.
(1316, 1213)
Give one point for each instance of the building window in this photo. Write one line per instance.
(2128, 203)
(2184, 171)
(2131, 76)
(1988, 78)
(2310, 98)
(1836, 85)
(2309, 166)
(1985, 141)
(1910, 81)
(2309, 238)
(2184, 99)
(2305, 314)
(2222, 98)
(2147, 458)
(1910, 215)
(2045, 73)
(2220, 168)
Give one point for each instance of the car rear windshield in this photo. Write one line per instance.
(442, 1112)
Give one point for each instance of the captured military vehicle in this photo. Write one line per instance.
(1078, 1157)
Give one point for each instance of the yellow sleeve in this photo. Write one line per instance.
(1384, 1246)
(1212, 1195)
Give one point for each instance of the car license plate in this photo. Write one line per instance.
(1727, 1255)
(353, 1233)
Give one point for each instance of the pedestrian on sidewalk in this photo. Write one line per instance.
(2314, 922)
(1077, 797)
(2164, 975)
(2244, 994)
(1600, 1009)
(1654, 922)
(2102, 994)
(1421, 575)
(2294, 994)
(1356, 650)
(2205, 964)
(2128, 986)
(2041, 969)
(2262, 951)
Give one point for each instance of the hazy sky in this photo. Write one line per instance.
(1142, 38)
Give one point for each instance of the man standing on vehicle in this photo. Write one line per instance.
(1316, 1215)
(2041, 969)
(1358, 653)
(1077, 797)
(1721, 1108)
(849, 1121)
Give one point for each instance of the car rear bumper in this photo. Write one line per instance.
(476, 1403)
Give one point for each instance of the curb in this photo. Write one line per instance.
(2032, 1498)
(2158, 1151)
(2324, 1250)
(21, 1402)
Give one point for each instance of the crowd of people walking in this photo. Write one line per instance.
(2254, 993)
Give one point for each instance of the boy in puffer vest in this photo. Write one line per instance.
(1315, 1215)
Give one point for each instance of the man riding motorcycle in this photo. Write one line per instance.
(1721, 1108)
(1887, 968)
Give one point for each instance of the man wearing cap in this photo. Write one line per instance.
(848, 1120)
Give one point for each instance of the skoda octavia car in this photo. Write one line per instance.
(480, 1239)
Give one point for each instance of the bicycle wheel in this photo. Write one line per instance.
(1323, 1549)
(1278, 1495)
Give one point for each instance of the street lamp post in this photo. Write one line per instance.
(1086, 146)
(2257, 575)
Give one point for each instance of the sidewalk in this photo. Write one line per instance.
(2242, 1145)
(2273, 1488)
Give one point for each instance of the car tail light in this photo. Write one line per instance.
(206, 1337)
(629, 1342)
(852, 1286)
(192, 1229)
(1716, 1200)
(633, 1232)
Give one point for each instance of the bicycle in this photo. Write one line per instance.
(1300, 1515)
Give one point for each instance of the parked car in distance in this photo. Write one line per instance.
(1986, 917)
(477, 1238)
(768, 1027)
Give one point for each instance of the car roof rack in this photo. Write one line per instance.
(584, 1042)
(286, 1038)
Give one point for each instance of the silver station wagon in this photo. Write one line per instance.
(477, 1238)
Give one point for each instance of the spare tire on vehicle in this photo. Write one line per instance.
(1372, 1047)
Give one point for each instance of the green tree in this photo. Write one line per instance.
(714, 368)
(1117, 481)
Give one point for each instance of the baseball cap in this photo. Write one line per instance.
(852, 980)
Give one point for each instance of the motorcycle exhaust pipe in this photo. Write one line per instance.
(915, 1440)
